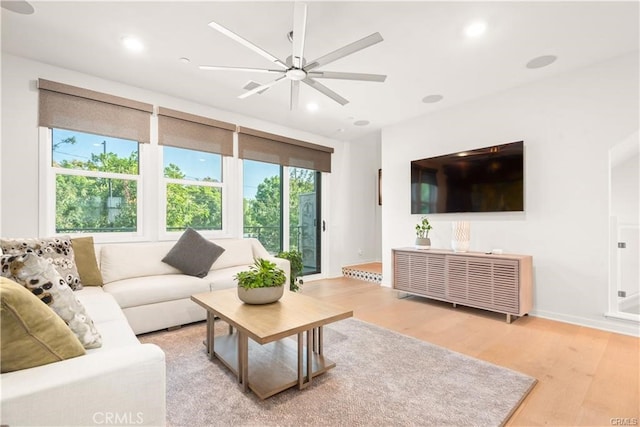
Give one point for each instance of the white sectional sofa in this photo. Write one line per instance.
(153, 295)
(123, 382)
(123, 379)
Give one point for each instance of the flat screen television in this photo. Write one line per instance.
(487, 179)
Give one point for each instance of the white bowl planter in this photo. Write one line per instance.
(260, 295)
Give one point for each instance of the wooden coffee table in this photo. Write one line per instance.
(268, 363)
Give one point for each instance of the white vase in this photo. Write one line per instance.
(460, 236)
(423, 243)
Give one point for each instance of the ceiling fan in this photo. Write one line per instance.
(295, 68)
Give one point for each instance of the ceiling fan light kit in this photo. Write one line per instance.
(295, 68)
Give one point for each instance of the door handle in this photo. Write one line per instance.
(324, 226)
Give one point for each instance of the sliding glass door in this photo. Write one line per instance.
(282, 209)
(304, 216)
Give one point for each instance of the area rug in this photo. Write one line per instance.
(381, 378)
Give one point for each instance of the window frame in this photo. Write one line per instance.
(224, 232)
(47, 192)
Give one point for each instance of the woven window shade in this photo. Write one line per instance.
(265, 147)
(68, 107)
(183, 130)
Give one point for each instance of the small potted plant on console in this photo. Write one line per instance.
(422, 234)
(263, 283)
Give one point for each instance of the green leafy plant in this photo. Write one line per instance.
(262, 274)
(422, 228)
(295, 259)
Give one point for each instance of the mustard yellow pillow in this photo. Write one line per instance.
(31, 334)
(85, 255)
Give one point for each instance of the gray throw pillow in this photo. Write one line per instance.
(193, 254)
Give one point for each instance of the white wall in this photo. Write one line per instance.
(568, 123)
(363, 216)
(19, 211)
(625, 194)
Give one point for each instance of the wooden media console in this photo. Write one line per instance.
(501, 283)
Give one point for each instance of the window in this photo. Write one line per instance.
(97, 182)
(193, 183)
(262, 204)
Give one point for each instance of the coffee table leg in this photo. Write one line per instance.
(243, 360)
(309, 357)
(310, 343)
(319, 340)
(210, 334)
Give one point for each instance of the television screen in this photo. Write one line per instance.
(487, 179)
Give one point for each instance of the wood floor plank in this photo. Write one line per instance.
(585, 376)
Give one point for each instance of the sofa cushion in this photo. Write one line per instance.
(39, 276)
(86, 263)
(108, 317)
(225, 278)
(31, 333)
(193, 254)
(57, 250)
(237, 252)
(120, 261)
(154, 289)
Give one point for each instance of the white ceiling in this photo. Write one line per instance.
(424, 51)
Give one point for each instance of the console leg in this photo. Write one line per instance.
(509, 318)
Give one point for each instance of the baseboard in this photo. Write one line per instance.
(624, 327)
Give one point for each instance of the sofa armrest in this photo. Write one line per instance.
(259, 251)
(124, 385)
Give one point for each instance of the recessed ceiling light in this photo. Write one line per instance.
(312, 106)
(184, 60)
(475, 29)
(18, 6)
(133, 44)
(361, 122)
(430, 99)
(541, 61)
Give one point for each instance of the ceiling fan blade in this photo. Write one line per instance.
(325, 90)
(246, 43)
(224, 68)
(299, 33)
(347, 76)
(344, 51)
(261, 88)
(295, 94)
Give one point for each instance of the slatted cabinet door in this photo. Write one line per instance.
(506, 286)
(436, 276)
(410, 272)
(422, 274)
(484, 283)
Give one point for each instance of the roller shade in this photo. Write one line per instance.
(184, 130)
(68, 107)
(265, 147)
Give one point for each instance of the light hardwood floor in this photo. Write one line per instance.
(585, 376)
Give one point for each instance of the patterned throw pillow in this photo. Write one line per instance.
(57, 250)
(39, 276)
